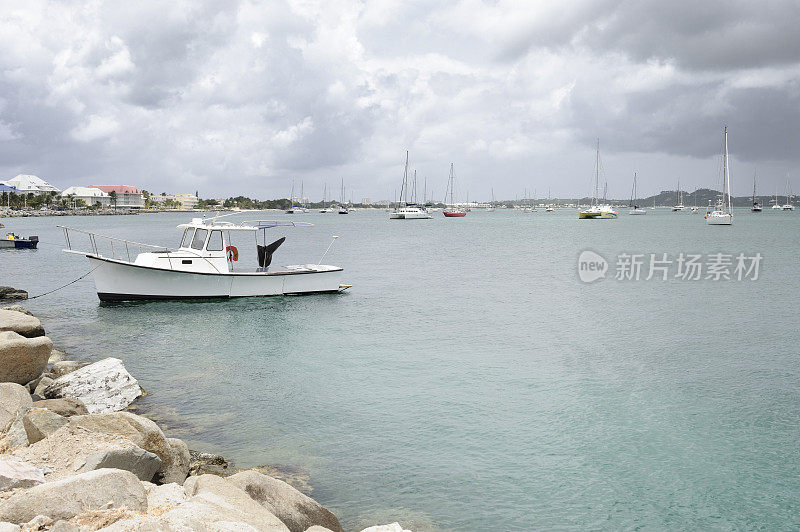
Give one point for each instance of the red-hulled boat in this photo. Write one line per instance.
(452, 211)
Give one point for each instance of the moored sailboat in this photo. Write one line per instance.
(756, 207)
(635, 209)
(595, 210)
(723, 213)
(451, 210)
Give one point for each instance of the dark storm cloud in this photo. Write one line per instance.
(244, 96)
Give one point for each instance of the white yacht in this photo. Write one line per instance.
(723, 213)
(203, 266)
(405, 210)
(679, 194)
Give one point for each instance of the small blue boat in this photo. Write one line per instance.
(15, 241)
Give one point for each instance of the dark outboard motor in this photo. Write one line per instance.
(265, 252)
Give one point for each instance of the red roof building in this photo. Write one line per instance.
(119, 189)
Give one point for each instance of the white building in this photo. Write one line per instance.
(89, 195)
(186, 201)
(25, 184)
(127, 196)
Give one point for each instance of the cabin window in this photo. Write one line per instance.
(215, 241)
(187, 237)
(199, 238)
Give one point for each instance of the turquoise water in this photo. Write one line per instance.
(469, 380)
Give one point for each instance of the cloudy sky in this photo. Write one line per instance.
(242, 97)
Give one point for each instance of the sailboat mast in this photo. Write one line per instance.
(597, 174)
(726, 174)
(404, 187)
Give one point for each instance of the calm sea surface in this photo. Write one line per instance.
(469, 380)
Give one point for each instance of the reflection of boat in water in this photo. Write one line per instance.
(202, 267)
(15, 241)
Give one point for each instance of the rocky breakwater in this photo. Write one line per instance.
(72, 459)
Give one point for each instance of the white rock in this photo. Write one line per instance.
(9, 527)
(18, 474)
(391, 527)
(104, 386)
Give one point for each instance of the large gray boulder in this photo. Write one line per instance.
(178, 470)
(20, 323)
(7, 292)
(137, 429)
(14, 403)
(18, 308)
(297, 511)
(22, 359)
(63, 499)
(66, 366)
(104, 386)
(215, 500)
(141, 463)
(18, 474)
(40, 423)
(66, 406)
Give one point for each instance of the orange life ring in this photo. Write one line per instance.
(233, 253)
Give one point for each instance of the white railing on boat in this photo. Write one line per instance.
(100, 243)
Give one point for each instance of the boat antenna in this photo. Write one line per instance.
(327, 250)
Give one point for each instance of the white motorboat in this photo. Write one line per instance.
(204, 266)
(723, 213)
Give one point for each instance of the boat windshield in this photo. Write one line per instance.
(199, 238)
(187, 237)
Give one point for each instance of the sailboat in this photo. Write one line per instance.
(788, 205)
(549, 207)
(679, 196)
(325, 208)
(635, 209)
(405, 210)
(756, 204)
(694, 209)
(451, 211)
(342, 205)
(596, 210)
(490, 208)
(295, 209)
(723, 213)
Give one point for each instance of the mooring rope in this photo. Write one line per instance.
(69, 283)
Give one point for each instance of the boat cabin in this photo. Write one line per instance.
(207, 247)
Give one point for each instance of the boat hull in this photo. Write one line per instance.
(122, 281)
(454, 214)
(719, 218)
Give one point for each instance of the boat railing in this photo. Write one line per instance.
(106, 246)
